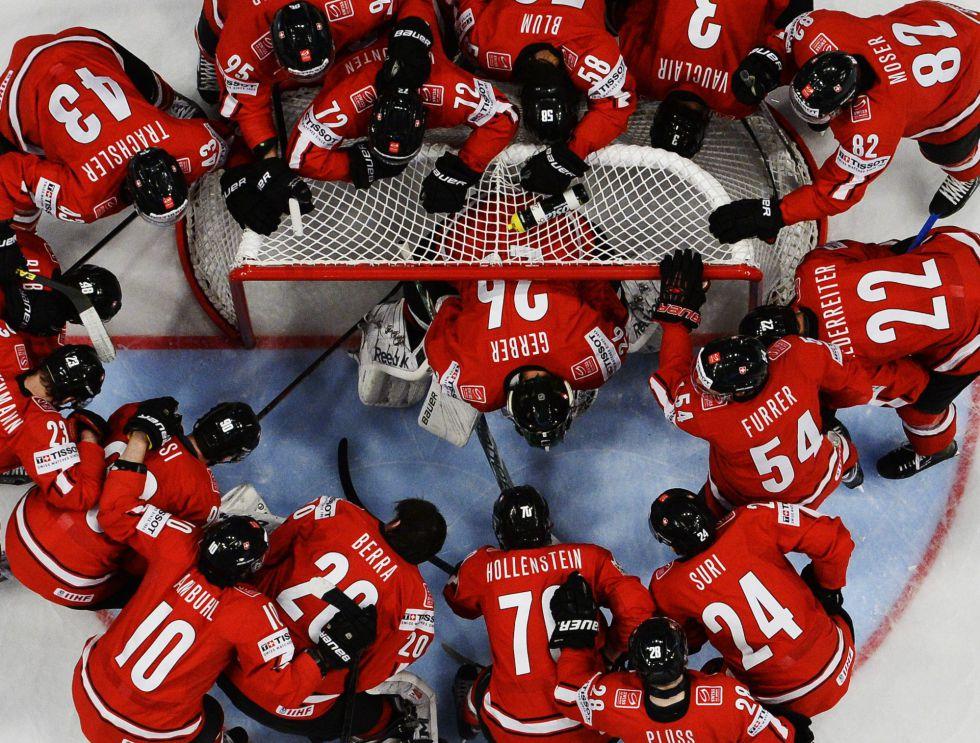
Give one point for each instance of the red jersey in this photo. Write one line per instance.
(695, 47)
(770, 446)
(926, 58)
(342, 112)
(148, 674)
(330, 543)
(882, 307)
(478, 340)
(493, 33)
(720, 711)
(77, 119)
(66, 557)
(247, 65)
(42, 261)
(512, 590)
(745, 597)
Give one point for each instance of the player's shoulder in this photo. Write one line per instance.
(713, 689)
(479, 557)
(794, 351)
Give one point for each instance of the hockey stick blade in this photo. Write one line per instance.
(87, 315)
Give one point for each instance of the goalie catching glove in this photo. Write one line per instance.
(444, 189)
(552, 170)
(157, 419)
(681, 289)
(575, 613)
(757, 76)
(258, 194)
(345, 637)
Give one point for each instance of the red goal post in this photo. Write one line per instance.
(644, 203)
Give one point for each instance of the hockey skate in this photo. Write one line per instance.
(462, 683)
(207, 81)
(903, 462)
(951, 196)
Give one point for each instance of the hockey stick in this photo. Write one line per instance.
(762, 154)
(343, 602)
(295, 215)
(924, 232)
(457, 656)
(350, 493)
(86, 313)
(105, 240)
(318, 360)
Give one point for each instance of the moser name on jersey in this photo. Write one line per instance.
(889, 60)
(780, 402)
(374, 556)
(832, 308)
(197, 596)
(679, 71)
(519, 566)
(704, 574)
(122, 150)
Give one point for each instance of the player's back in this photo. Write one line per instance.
(756, 610)
(881, 307)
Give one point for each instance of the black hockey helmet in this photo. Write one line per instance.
(521, 518)
(228, 432)
(100, 286)
(302, 40)
(680, 124)
(157, 186)
(397, 125)
(682, 521)
(824, 85)
(231, 549)
(735, 367)
(658, 651)
(75, 375)
(417, 532)
(549, 101)
(541, 408)
(769, 323)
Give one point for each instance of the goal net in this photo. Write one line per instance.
(644, 204)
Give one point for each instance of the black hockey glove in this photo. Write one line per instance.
(681, 289)
(345, 636)
(444, 189)
(801, 726)
(408, 63)
(246, 205)
(757, 76)
(366, 167)
(275, 182)
(575, 613)
(158, 419)
(10, 256)
(746, 218)
(82, 419)
(551, 170)
(832, 600)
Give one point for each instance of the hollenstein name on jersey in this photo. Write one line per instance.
(517, 566)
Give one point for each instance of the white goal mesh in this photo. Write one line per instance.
(644, 203)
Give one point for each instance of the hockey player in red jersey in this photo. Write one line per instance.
(90, 129)
(659, 700)
(66, 557)
(556, 53)
(885, 306)
(686, 55)
(783, 635)
(759, 411)
(913, 73)
(146, 679)
(511, 588)
(350, 106)
(330, 554)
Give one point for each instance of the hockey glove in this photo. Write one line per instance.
(82, 419)
(552, 170)
(681, 289)
(157, 419)
(366, 167)
(275, 182)
(246, 205)
(408, 63)
(575, 613)
(801, 725)
(757, 76)
(345, 637)
(832, 600)
(11, 258)
(746, 218)
(444, 189)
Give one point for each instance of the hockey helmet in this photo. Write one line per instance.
(231, 549)
(228, 432)
(736, 367)
(521, 518)
(682, 521)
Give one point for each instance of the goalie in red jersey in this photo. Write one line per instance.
(913, 73)
(557, 53)
(333, 559)
(511, 588)
(784, 635)
(659, 700)
(351, 105)
(89, 129)
(686, 56)
(64, 556)
(885, 306)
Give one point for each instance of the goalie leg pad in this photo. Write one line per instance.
(447, 417)
(640, 297)
(390, 373)
(244, 500)
(416, 701)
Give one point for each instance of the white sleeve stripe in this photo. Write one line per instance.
(662, 395)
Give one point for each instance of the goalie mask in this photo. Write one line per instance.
(734, 368)
(823, 86)
(681, 520)
(397, 125)
(302, 41)
(541, 408)
(680, 124)
(157, 186)
(549, 101)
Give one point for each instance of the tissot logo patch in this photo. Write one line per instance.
(56, 459)
(627, 698)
